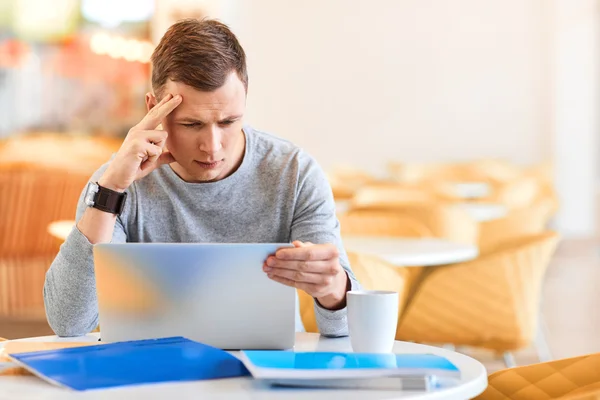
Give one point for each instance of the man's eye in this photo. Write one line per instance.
(192, 125)
(226, 122)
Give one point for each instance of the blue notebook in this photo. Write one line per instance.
(132, 363)
(323, 369)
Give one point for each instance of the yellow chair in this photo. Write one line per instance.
(571, 378)
(386, 223)
(21, 283)
(418, 173)
(518, 193)
(442, 220)
(492, 302)
(381, 196)
(372, 273)
(344, 181)
(492, 170)
(41, 179)
(518, 223)
(485, 170)
(381, 223)
(544, 175)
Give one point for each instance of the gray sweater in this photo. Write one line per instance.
(278, 194)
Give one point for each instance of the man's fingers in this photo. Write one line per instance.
(300, 276)
(153, 152)
(309, 288)
(318, 267)
(156, 137)
(159, 112)
(308, 253)
(166, 158)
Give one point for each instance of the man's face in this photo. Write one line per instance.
(205, 130)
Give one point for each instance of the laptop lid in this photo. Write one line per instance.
(213, 293)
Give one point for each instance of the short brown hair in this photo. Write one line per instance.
(200, 54)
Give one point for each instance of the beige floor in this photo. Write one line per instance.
(571, 308)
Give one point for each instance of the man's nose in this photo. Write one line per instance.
(210, 142)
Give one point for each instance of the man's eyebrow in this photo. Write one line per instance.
(192, 120)
(231, 118)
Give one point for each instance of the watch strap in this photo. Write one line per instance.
(110, 201)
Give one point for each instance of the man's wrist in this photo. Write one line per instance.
(337, 300)
(106, 183)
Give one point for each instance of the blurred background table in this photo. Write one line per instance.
(482, 212)
(61, 229)
(422, 252)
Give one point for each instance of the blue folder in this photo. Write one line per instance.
(283, 359)
(132, 363)
(351, 370)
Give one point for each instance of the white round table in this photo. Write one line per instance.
(472, 190)
(473, 381)
(409, 252)
(482, 212)
(342, 206)
(61, 229)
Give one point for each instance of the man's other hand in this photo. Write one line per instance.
(314, 268)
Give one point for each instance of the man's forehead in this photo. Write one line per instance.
(227, 96)
(232, 87)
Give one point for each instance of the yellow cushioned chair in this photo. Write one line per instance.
(381, 196)
(345, 180)
(382, 223)
(521, 222)
(372, 273)
(544, 175)
(570, 378)
(444, 221)
(492, 170)
(386, 223)
(41, 179)
(491, 302)
(518, 193)
(21, 283)
(433, 172)
(485, 170)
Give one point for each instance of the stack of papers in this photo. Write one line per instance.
(351, 370)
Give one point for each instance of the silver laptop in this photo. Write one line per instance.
(217, 294)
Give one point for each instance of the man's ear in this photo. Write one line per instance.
(150, 101)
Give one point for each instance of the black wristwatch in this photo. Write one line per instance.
(105, 199)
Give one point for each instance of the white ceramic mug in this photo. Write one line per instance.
(372, 320)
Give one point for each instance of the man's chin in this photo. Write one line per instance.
(206, 176)
(195, 174)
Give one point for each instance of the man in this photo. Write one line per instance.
(207, 177)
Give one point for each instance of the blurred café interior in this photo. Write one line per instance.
(473, 123)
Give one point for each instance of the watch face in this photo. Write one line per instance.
(90, 193)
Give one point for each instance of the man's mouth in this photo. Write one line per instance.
(209, 164)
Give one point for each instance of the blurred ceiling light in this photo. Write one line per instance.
(100, 43)
(147, 50)
(45, 20)
(131, 50)
(110, 13)
(13, 53)
(119, 47)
